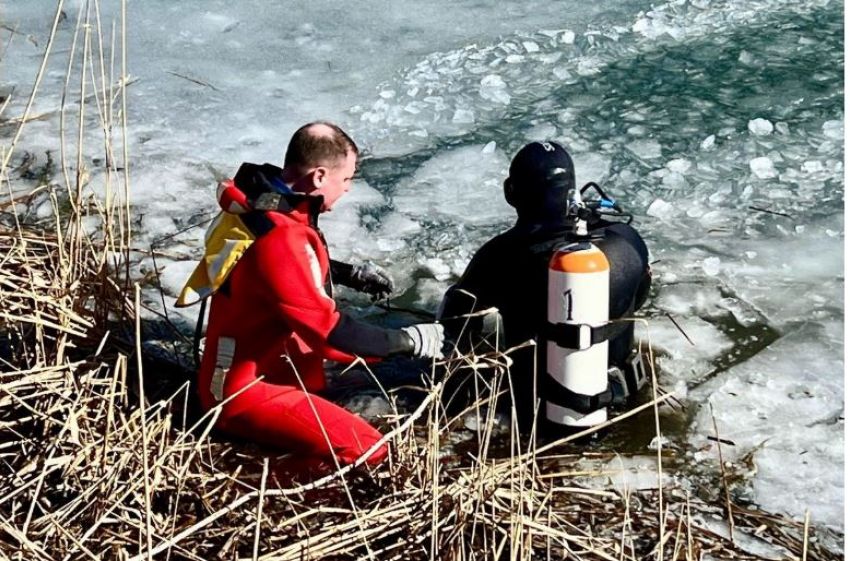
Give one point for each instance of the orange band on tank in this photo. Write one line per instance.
(582, 261)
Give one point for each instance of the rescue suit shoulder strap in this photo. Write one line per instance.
(259, 224)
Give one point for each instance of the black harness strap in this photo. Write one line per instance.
(559, 395)
(258, 223)
(569, 335)
(199, 332)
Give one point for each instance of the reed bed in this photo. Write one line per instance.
(93, 465)
(90, 471)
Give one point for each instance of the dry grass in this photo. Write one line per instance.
(89, 468)
(90, 473)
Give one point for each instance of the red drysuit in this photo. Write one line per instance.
(274, 319)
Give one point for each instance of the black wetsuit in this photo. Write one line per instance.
(510, 272)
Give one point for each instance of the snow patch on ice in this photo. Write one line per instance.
(788, 412)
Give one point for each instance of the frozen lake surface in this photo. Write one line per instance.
(719, 124)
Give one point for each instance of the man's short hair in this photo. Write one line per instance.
(313, 145)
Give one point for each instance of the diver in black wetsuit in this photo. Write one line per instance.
(510, 271)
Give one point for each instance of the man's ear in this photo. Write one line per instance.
(320, 176)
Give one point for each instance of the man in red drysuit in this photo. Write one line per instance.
(273, 320)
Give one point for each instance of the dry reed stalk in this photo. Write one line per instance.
(4, 164)
(723, 478)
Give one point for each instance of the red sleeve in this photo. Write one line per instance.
(291, 274)
(291, 265)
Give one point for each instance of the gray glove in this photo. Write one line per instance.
(371, 279)
(428, 339)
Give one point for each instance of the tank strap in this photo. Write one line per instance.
(559, 395)
(199, 334)
(259, 224)
(581, 336)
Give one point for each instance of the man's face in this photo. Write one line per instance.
(334, 182)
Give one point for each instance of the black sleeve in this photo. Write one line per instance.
(341, 273)
(465, 296)
(363, 339)
(477, 281)
(475, 291)
(456, 302)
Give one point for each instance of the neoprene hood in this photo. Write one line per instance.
(541, 176)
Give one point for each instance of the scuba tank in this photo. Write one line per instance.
(576, 390)
(578, 296)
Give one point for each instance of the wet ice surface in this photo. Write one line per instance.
(719, 125)
(787, 405)
(473, 195)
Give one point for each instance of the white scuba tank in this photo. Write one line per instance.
(578, 294)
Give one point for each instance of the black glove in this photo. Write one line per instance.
(363, 277)
(371, 279)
